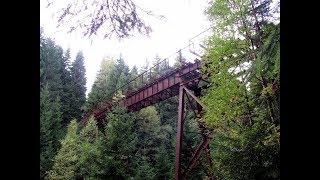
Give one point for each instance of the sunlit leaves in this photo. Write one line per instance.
(243, 106)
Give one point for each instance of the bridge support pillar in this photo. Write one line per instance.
(179, 136)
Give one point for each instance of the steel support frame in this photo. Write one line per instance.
(203, 147)
(179, 137)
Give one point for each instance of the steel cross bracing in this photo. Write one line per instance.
(182, 81)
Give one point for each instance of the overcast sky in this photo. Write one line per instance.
(184, 19)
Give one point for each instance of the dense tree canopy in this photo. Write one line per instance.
(243, 101)
(62, 87)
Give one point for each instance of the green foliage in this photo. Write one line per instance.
(101, 87)
(148, 129)
(136, 83)
(243, 106)
(144, 169)
(159, 67)
(60, 98)
(253, 154)
(153, 158)
(81, 154)
(65, 162)
(149, 120)
(79, 86)
(266, 75)
(66, 92)
(122, 72)
(51, 67)
(112, 75)
(90, 157)
(226, 101)
(164, 163)
(121, 143)
(50, 129)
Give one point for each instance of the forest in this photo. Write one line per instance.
(242, 61)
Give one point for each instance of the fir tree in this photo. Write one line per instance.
(51, 66)
(67, 95)
(90, 161)
(65, 162)
(50, 129)
(136, 81)
(101, 88)
(121, 143)
(78, 73)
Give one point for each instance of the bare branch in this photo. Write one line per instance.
(110, 17)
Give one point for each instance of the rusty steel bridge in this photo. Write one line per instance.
(184, 82)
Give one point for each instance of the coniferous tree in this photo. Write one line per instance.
(51, 106)
(109, 83)
(149, 132)
(50, 59)
(65, 162)
(78, 73)
(67, 94)
(152, 138)
(120, 77)
(121, 143)
(145, 71)
(90, 162)
(164, 163)
(55, 72)
(135, 80)
(50, 129)
(100, 91)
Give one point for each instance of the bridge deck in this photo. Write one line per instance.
(158, 90)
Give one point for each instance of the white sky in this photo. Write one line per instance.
(184, 19)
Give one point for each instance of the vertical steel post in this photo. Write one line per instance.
(179, 133)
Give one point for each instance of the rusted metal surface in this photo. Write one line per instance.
(158, 89)
(194, 97)
(203, 147)
(179, 137)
